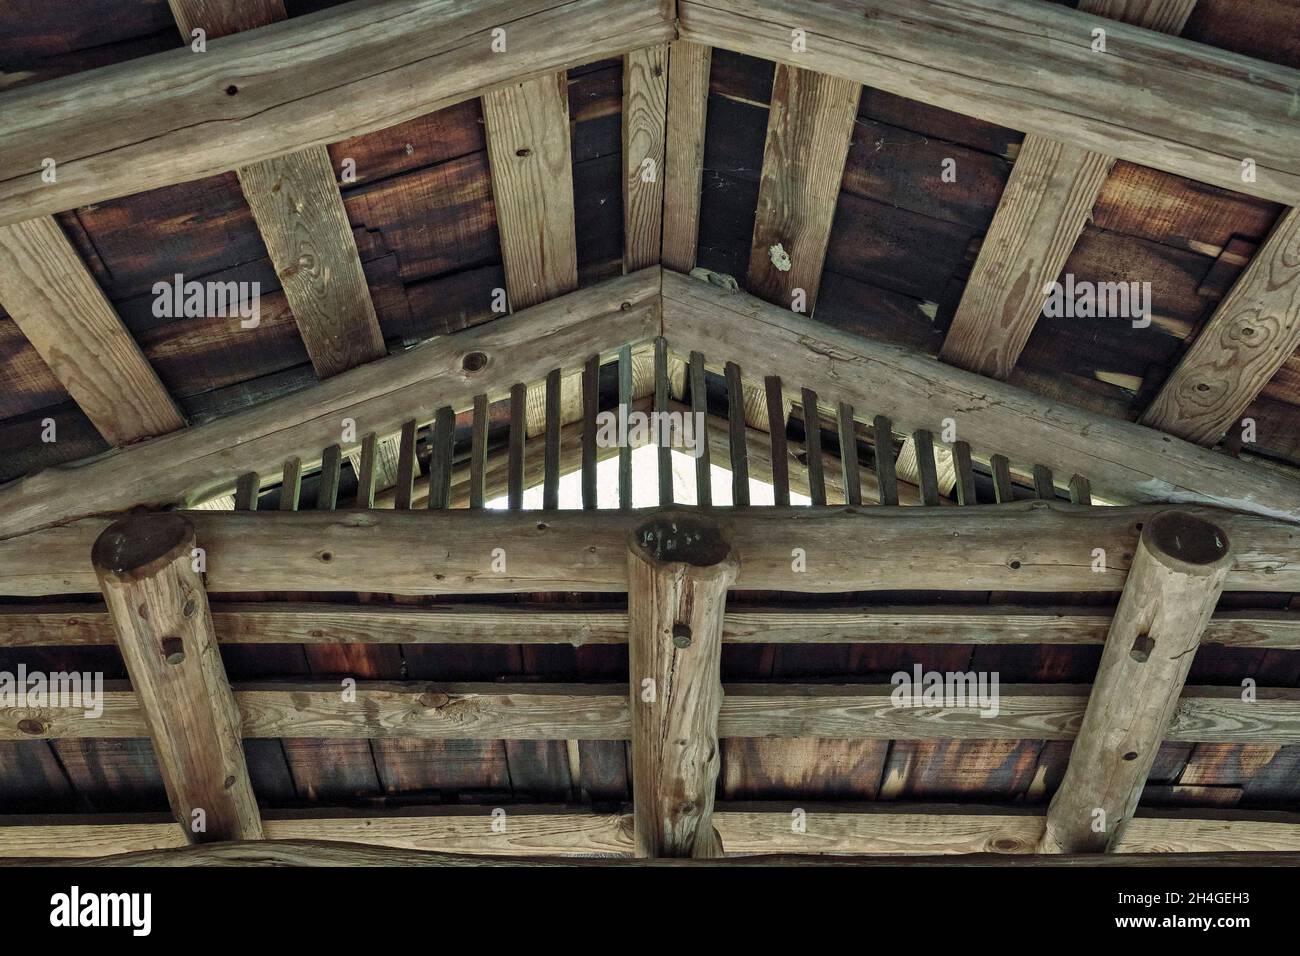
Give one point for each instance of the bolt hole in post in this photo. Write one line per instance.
(474, 362)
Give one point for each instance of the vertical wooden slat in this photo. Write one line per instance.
(291, 484)
(812, 427)
(1044, 485)
(736, 439)
(624, 447)
(443, 442)
(590, 409)
(645, 108)
(366, 476)
(665, 453)
(551, 461)
(700, 407)
(776, 429)
(886, 476)
(246, 490)
(478, 453)
(1080, 490)
(406, 467)
(849, 455)
(331, 463)
(925, 467)
(515, 466)
(965, 473)
(1002, 488)
(688, 96)
(527, 127)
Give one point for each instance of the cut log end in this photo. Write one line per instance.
(1187, 543)
(138, 546)
(680, 537)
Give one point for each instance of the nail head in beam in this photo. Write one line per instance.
(1178, 572)
(515, 465)
(965, 473)
(812, 443)
(736, 439)
(679, 568)
(700, 407)
(849, 455)
(662, 398)
(440, 458)
(551, 452)
(927, 470)
(1003, 490)
(590, 409)
(158, 605)
(886, 474)
(776, 428)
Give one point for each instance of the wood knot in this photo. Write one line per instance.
(434, 700)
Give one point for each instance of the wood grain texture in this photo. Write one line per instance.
(155, 121)
(83, 625)
(1025, 546)
(679, 567)
(1048, 199)
(1002, 62)
(52, 297)
(645, 111)
(1171, 591)
(1166, 16)
(688, 97)
(809, 128)
(300, 214)
(380, 396)
(218, 18)
(1252, 333)
(159, 608)
(527, 127)
(1123, 460)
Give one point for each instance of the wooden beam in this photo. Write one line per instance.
(527, 126)
(1025, 546)
(645, 110)
(1047, 202)
(688, 99)
(1199, 114)
(159, 608)
(809, 129)
(80, 625)
(52, 298)
(1172, 588)
(679, 567)
(147, 122)
(958, 833)
(196, 463)
(1248, 338)
(219, 18)
(1123, 460)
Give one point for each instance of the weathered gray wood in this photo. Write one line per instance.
(679, 567)
(812, 429)
(776, 425)
(965, 473)
(1172, 588)
(737, 441)
(515, 467)
(407, 466)
(590, 409)
(926, 470)
(327, 494)
(624, 448)
(886, 476)
(366, 474)
(478, 452)
(1044, 485)
(688, 97)
(645, 110)
(700, 406)
(662, 396)
(551, 449)
(1080, 490)
(849, 455)
(291, 485)
(246, 492)
(159, 609)
(440, 464)
(1002, 487)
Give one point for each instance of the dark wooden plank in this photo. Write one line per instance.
(407, 466)
(1002, 488)
(443, 442)
(551, 461)
(590, 409)
(327, 494)
(736, 442)
(1080, 490)
(624, 448)
(965, 473)
(1044, 485)
(366, 476)
(662, 397)
(246, 490)
(478, 452)
(700, 407)
(886, 475)
(776, 425)
(291, 484)
(926, 468)
(849, 455)
(515, 468)
(812, 427)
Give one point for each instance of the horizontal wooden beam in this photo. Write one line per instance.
(81, 625)
(180, 115)
(1121, 459)
(958, 833)
(1020, 546)
(379, 397)
(1197, 111)
(415, 710)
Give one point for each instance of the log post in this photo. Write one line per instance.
(679, 569)
(1177, 574)
(159, 610)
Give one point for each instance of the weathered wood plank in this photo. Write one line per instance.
(776, 426)
(810, 126)
(688, 97)
(152, 121)
(527, 127)
(645, 111)
(52, 297)
(1123, 460)
(1012, 57)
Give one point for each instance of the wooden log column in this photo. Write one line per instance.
(159, 610)
(679, 569)
(1178, 572)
